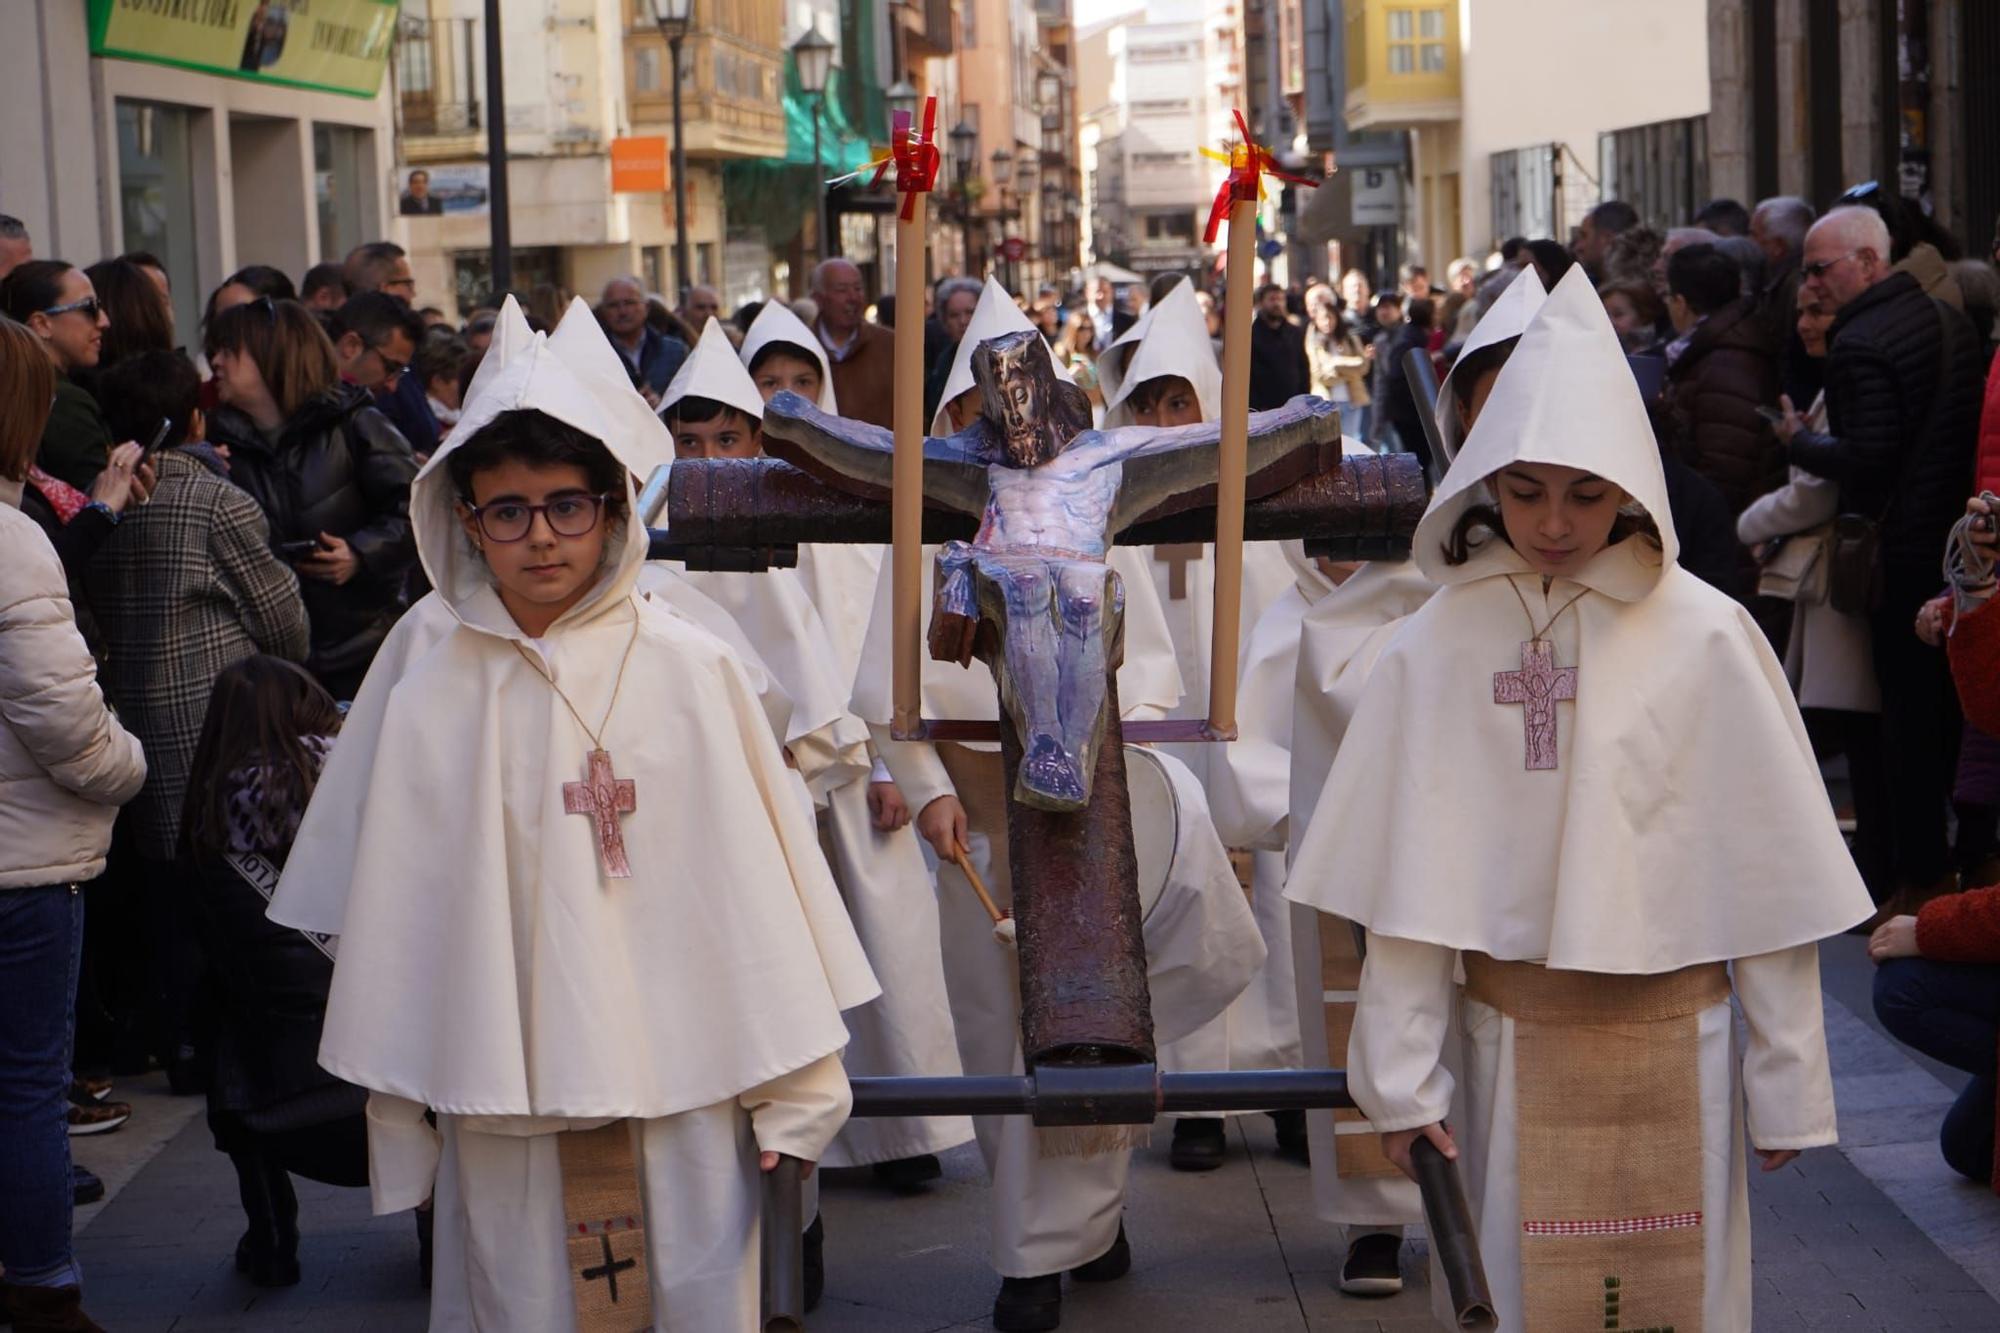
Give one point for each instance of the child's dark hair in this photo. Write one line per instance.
(1482, 522)
(534, 437)
(771, 349)
(1148, 395)
(143, 390)
(1466, 371)
(692, 411)
(260, 713)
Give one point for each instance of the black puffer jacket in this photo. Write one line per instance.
(339, 467)
(1882, 371)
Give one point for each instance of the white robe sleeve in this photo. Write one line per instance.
(1395, 1057)
(915, 765)
(1787, 1082)
(403, 1153)
(799, 1113)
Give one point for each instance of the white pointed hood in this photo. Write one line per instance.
(1567, 397)
(574, 376)
(712, 370)
(1506, 318)
(996, 314)
(776, 323)
(1171, 338)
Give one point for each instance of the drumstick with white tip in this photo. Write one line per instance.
(1003, 925)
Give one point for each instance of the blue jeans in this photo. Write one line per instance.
(41, 948)
(1950, 1012)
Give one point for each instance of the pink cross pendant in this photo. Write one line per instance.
(604, 796)
(1537, 687)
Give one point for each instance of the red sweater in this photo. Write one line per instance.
(1964, 928)
(1974, 646)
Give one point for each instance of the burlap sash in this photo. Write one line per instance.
(605, 1228)
(1607, 1094)
(1357, 1148)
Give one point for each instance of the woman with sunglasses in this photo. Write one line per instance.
(57, 303)
(330, 472)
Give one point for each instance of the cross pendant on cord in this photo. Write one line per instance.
(1537, 687)
(604, 796)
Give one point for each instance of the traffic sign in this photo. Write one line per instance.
(1013, 249)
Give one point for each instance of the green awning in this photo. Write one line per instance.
(779, 191)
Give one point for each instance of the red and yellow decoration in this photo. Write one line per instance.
(1249, 162)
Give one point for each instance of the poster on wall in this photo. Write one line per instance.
(443, 189)
(336, 46)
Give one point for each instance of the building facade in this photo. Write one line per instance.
(1503, 141)
(1814, 96)
(195, 140)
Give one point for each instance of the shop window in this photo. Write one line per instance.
(340, 157)
(156, 195)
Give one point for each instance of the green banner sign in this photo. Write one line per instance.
(338, 46)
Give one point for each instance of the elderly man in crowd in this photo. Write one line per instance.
(1903, 383)
(863, 354)
(1779, 226)
(651, 357)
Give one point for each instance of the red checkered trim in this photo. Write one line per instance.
(1618, 1226)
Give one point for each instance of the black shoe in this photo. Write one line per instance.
(815, 1262)
(1374, 1266)
(909, 1175)
(1198, 1144)
(265, 1262)
(1292, 1142)
(1028, 1304)
(1113, 1264)
(84, 1185)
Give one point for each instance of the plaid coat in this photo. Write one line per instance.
(186, 586)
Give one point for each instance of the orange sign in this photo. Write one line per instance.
(639, 165)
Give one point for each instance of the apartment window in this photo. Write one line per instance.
(968, 26)
(1416, 41)
(1170, 227)
(1163, 107)
(646, 72)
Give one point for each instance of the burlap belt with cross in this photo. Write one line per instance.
(1607, 1090)
(604, 1222)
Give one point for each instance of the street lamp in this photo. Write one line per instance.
(673, 16)
(964, 143)
(812, 56)
(901, 96)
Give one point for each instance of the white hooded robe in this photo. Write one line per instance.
(489, 971)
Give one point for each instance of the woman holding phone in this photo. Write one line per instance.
(330, 472)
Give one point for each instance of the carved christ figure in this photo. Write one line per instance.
(1051, 494)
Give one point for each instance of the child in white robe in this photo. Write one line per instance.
(1545, 785)
(575, 896)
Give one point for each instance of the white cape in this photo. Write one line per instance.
(487, 967)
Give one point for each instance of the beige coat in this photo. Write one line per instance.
(65, 763)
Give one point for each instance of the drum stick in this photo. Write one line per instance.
(1003, 925)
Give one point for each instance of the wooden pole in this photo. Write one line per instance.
(907, 500)
(1239, 300)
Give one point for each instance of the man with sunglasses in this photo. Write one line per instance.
(375, 337)
(1903, 379)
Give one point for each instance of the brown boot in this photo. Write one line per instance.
(47, 1309)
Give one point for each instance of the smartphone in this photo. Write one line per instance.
(1771, 414)
(299, 550)
(159, 438)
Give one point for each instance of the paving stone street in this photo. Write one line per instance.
(1875, 1235)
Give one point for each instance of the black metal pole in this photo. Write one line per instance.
(819, 184)
(496, 159)
(686, 275)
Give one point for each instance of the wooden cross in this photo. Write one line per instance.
(1537, 687)
(609, 1269)
(1179, 555)
(604, 796)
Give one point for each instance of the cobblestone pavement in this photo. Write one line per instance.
(1877, 1235)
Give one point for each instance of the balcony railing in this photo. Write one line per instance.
(438, 82)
